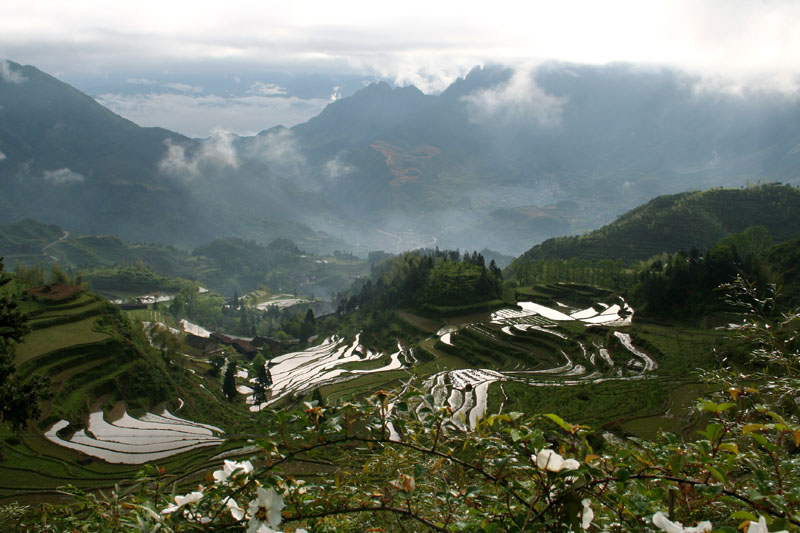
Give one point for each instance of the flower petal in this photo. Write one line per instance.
(570, 464)
(547, 459)
(665, 524)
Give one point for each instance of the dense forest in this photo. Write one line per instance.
(424, 279)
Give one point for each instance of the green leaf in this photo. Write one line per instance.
(498, 418)
(749, 428)
(711, 407)
(560, 421)
(677, 462)
(763, 441)
(729, 447)
(744, 515)
(712, 432)
(777, 418)
(718, 474)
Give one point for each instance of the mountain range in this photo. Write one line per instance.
(501, 159)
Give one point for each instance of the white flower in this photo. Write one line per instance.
(266, 507)
(180, 501)
(289, 483)
(760, 526)
(236, 512)
(665, 524)
(547, 459)
(588, 514)
(232, 468)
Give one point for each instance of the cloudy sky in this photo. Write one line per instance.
(244, 66)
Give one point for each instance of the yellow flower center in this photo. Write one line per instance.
(261, 514)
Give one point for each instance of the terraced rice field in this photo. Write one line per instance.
(329, 362)
(281, 301)
(42, 341)
(84, 364)
(529, 345)
(130, 440)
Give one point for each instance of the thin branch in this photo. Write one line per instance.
(367, 509)
(460, 462)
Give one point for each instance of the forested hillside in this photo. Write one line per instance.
(681, 222)
(229, 265)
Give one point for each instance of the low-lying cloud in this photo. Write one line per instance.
(9, 74)
(2, 156)
(266, 89)
(184, 87)
(63, 176)
(337, 167)
(214, 153)
(279, 149)
(786, 85)
(519, 98)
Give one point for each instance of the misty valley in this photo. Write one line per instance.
(534, 301)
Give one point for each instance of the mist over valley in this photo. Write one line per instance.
(501, 159)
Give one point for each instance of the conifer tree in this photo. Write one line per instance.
(229, 382)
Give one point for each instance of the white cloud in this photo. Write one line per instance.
(279, 149)
(266, 89)
(200, 115)
(746, 85)
(10, 75)
(426, 43)
(141, 81)
(184, 87)
(336, 168)
(214, 153)
(2, 156)
(63, 176)
(520, 97)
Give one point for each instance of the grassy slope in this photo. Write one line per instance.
(42, 341)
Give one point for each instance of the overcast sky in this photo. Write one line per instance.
(152, 44)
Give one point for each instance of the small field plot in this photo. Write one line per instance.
(130, 440)
(332, 361)
(42, 341)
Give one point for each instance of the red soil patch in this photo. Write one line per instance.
(403, 163)
(55, 292)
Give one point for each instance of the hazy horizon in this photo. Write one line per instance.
(195, 69)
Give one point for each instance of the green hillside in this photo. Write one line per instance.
(228, 265)
(25, 241)
(784, 261)
(680, 222)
